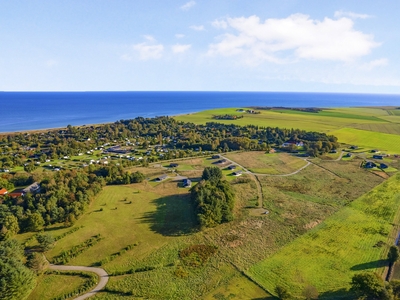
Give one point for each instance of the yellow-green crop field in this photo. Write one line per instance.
(330, 254)
(389, 143)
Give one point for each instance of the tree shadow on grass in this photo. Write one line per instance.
(341, 294)
(370, 265)
(174, 216)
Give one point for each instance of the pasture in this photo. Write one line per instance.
(271, 163)
(389, 143)
(352, 240)
(326, 120)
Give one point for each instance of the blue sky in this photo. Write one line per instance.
(200, 45)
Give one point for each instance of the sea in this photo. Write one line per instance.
(22, 111)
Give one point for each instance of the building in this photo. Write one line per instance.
(3, 191)
(187, 183)
(237, 173)
(161, 178)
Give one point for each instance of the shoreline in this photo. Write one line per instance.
(190, 113)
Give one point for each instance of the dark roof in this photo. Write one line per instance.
(231, 167)
(237, 173)
(162, 177)
(173, 165)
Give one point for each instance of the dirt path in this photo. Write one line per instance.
(103, 277)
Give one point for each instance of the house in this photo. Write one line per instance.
(3, 191)
(333, 151)
(383, 166)
(187, 183)
(173, 165)
(232, 167)
(17, 193)
(369, 165)
(297, 144)
(354, 147)
(161, 178)
(33, 188)
(221, 161)
(272, 150)
(349, 155)
(375, 151)
(215, 156)
(237, 173)
(377, 156)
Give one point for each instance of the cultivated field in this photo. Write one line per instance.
(352, 240)
(389, 143)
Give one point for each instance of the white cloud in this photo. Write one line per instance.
(351, 15)
(149, 38)
(292, 38)
(197, 28)
(220, 24)
(375, 63)
(188, 5)
(179, 48)
(179, 36)
(146, 50)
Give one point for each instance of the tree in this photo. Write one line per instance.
(395, 287)
(212, 174)
(46, 241)
(16, 280)
(393, 254)
(370, 286)
(282, 292)
(35, 222)
(8, 226)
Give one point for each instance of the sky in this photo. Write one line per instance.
(348, 46)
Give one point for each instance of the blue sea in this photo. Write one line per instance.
(39, 110)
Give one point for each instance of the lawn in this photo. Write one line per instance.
(273, 163)
(389, 143)
(135, 214)
(344, 244)
(65, 284)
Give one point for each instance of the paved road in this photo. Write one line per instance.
(103, 277)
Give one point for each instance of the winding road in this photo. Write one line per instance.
(103, 277)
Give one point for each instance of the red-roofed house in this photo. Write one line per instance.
(3, 191)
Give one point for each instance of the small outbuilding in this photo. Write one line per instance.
(369, 165)
(232, 167)
(173, 165)
(215, 156)
(383, 166)
(3, 191)
(237, 173)
(377, 156)
(187, 183)
(161, 178)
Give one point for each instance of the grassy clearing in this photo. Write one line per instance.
(65, 284)
(371, 140)
(274, 163)
(149, 218)
(342, 245)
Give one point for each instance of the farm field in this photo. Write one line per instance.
(352, 240)
(325, 121)
(272, 163)
(389, 143)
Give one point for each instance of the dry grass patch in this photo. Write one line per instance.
(271, 163)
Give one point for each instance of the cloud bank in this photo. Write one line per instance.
(290, 39)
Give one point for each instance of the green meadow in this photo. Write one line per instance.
(354, 239)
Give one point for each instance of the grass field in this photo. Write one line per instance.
(149, 218)
(274, 163)
(325, 121)
(65, 284)
(338, 248)
(389, 143)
